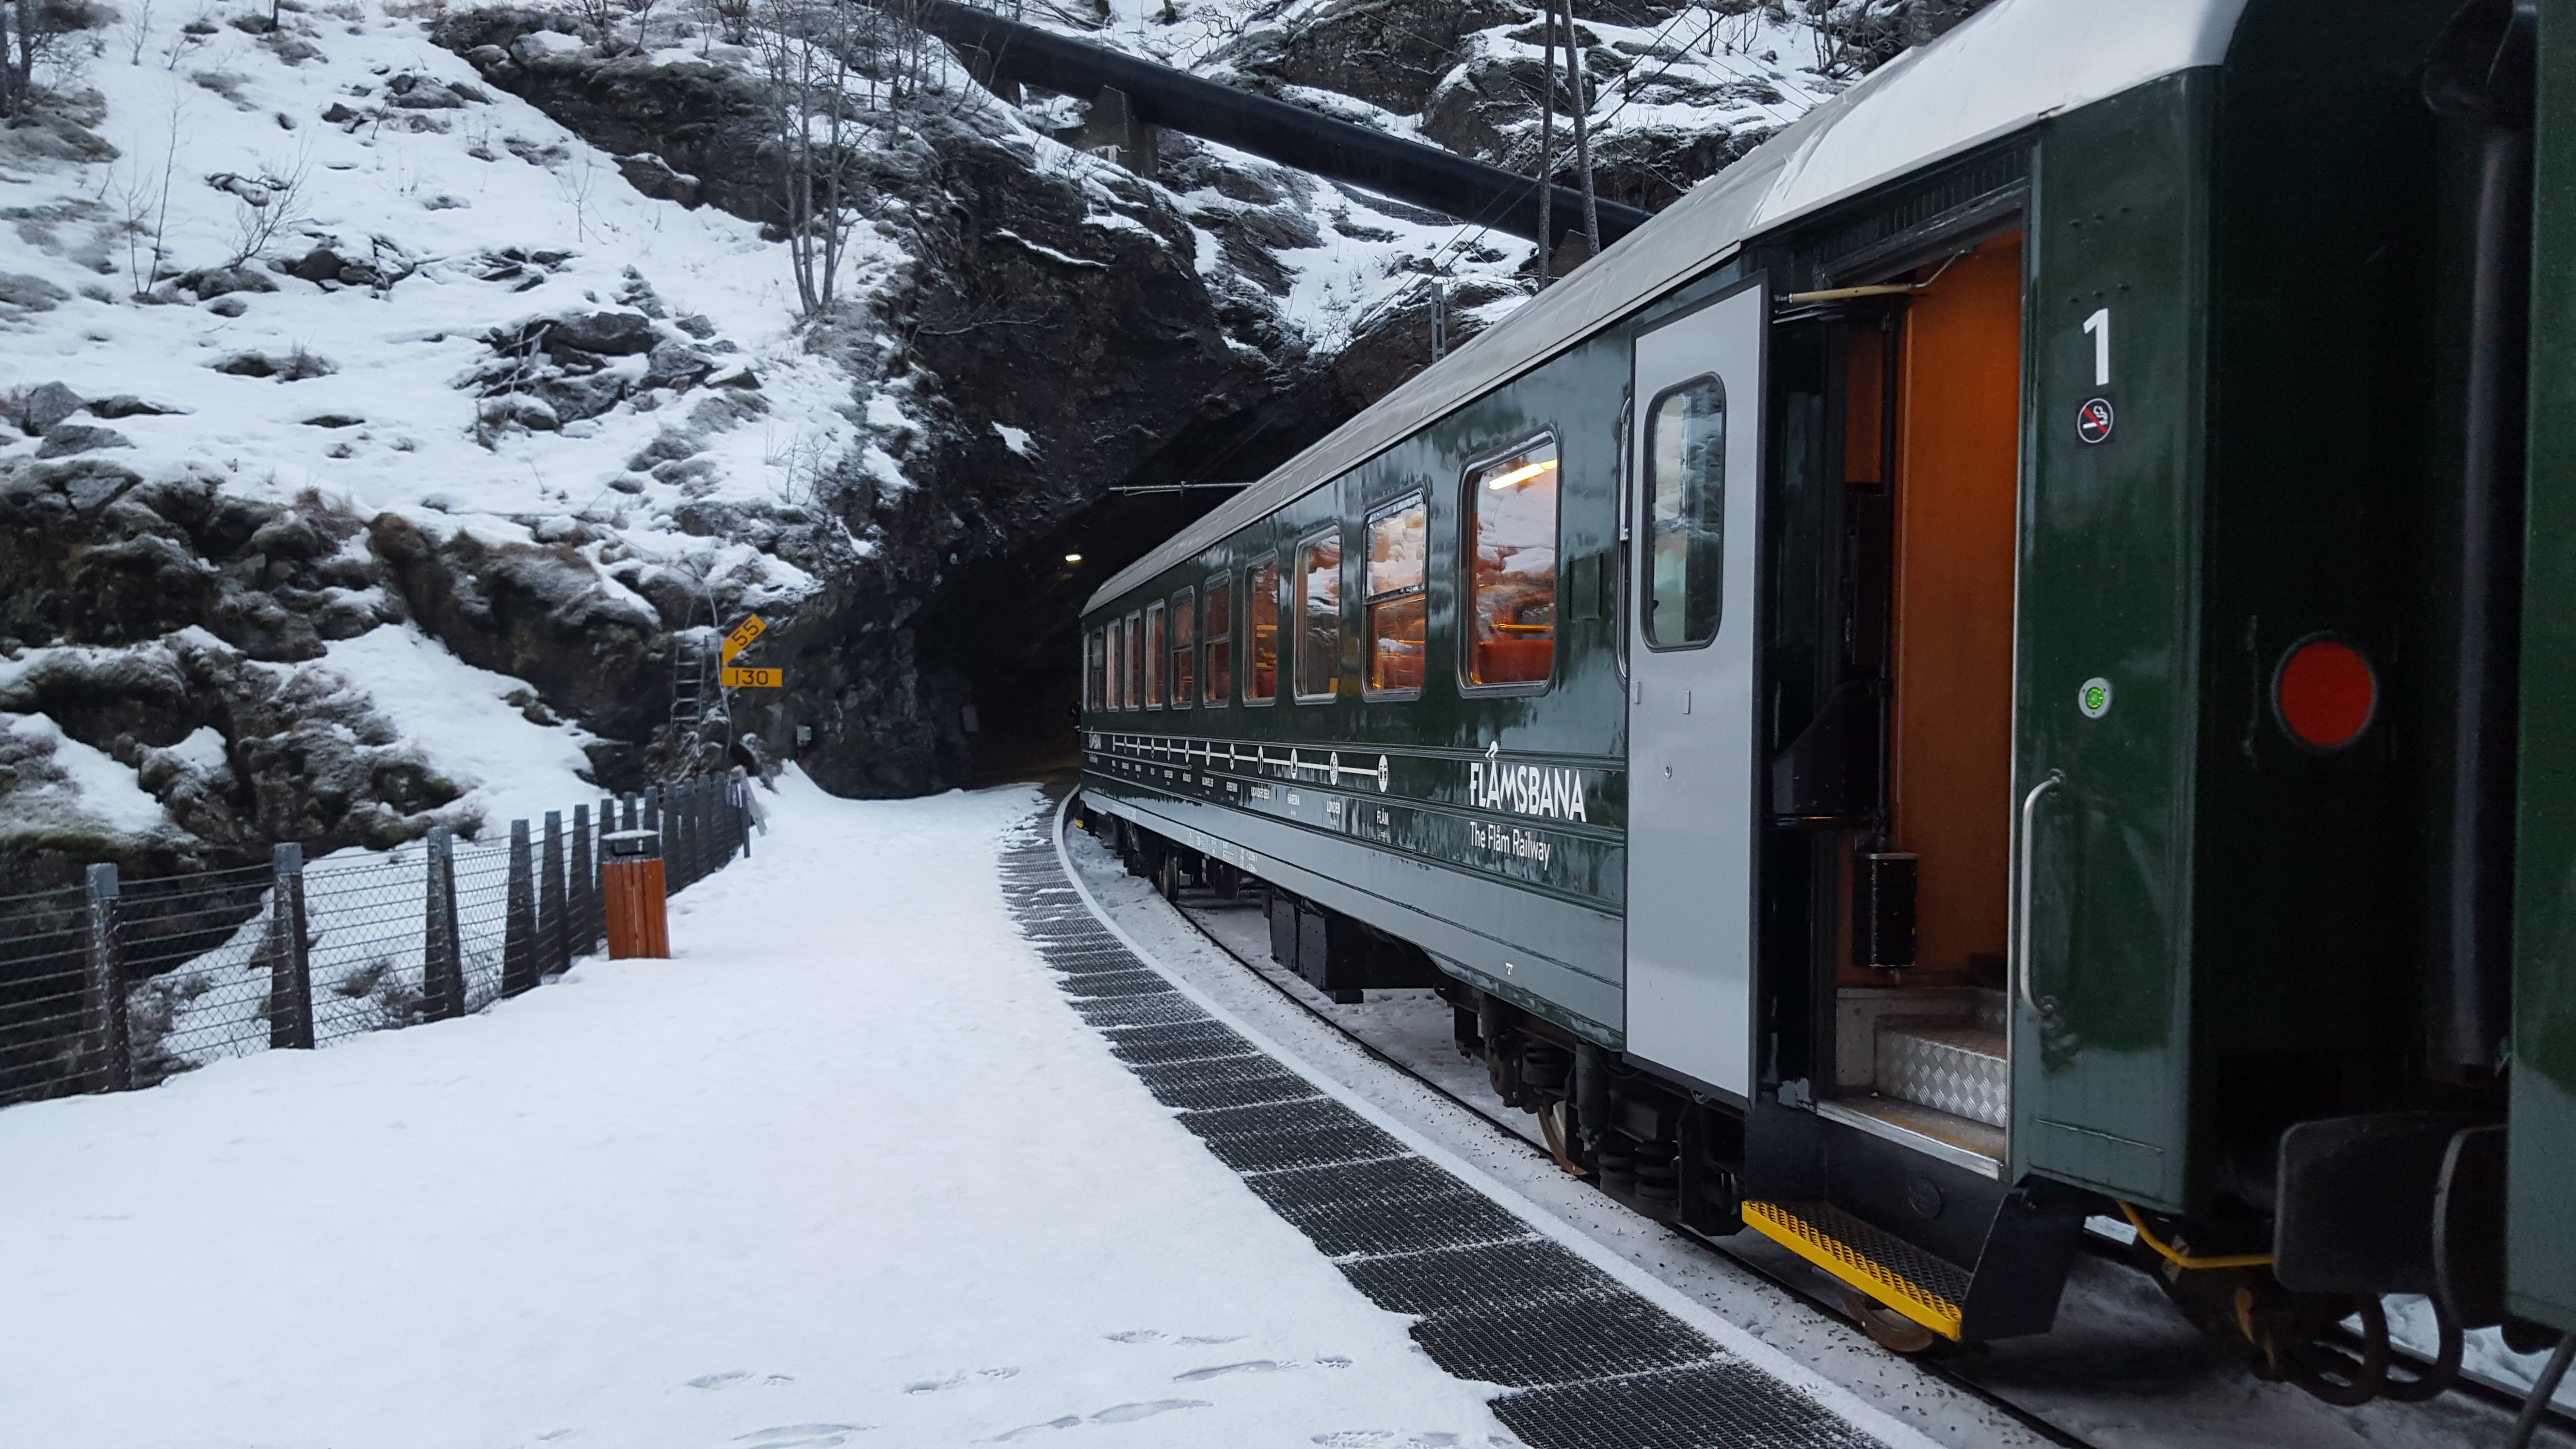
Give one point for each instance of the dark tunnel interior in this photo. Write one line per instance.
(1008, 629)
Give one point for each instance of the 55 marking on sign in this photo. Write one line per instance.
(752, 627)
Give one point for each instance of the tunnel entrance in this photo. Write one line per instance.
(1004, 634)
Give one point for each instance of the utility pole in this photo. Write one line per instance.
(1574, 70)
(1439, 316)
(1546, 148)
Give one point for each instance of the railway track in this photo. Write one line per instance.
(2173, 1388)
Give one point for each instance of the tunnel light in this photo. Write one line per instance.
(1073, 558)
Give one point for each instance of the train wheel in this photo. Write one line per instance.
(1168, 875)
(1885, 1326)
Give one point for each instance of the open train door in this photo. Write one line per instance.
(1691, 740)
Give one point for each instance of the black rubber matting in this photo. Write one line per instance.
(1585, 1360)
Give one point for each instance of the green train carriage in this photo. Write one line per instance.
(1920, 697)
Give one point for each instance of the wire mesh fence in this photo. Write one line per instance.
(121, 983)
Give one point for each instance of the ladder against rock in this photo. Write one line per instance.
(689, 677)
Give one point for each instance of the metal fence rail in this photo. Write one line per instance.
(124, 983)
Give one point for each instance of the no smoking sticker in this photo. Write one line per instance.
(2093, 420)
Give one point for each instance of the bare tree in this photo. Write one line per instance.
(264, 203)
(806, 48)
(35, 38)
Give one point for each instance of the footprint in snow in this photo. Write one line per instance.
(736, 1376)
(1130, 1413)
(1395, 1440)
(1114, 1414)
(1255, 1366)
(932, 1386)
(801, 1436)
(1156, 1335)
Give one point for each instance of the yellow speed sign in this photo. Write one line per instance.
(736, 677)
(742, 635)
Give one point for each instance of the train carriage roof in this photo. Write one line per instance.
(2012, 64)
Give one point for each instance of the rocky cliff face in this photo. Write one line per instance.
(418, 411)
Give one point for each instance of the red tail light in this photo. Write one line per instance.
(2326, 692)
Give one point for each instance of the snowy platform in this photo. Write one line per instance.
(849, 1170)
(1505, 1294)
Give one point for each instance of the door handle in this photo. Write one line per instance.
(2021, 909)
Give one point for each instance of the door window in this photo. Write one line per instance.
(1185, 654)
(1219, 633)
(1686, 512)
(1511, 508)
(1262, 589)
(1396, 607)
(1135, 665)
(1319, 616)
(1153, 656)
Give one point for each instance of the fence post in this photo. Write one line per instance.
(742, 811)
(693, 836)
(598, 872)
(553, 902)
(653, 821)
(581, 886)
(106, 1061)
(290, 970)
(632, 801)
(519, 918)
(442, 985)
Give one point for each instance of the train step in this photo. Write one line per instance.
(1925, 1288)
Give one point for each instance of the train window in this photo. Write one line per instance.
(1319, 616)
(1117, 696)
(1393, 601)
(1153, 656)
(1095, 671)
(1185, 654)
(1511, 507)
(1135, 665)
(1262, 600)
(1219, 634)
(1686, 504)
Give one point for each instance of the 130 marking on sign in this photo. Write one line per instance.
(737, 677)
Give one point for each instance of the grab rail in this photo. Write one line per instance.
(2021, 914)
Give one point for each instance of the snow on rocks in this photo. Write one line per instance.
(848, 1170)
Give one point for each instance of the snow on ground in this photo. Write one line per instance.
(438, 190)
(848, 1170)
(512, 768)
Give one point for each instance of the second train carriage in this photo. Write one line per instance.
(1951, 683)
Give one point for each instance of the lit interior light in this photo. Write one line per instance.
(1073, 558)
(1522, 475)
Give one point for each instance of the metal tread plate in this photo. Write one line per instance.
(1924, 1288)
(1588, 1360)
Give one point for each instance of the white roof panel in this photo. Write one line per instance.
(2013, 63)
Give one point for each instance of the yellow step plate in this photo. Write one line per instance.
(1884, 1266)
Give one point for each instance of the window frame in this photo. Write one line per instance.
(1217, 585)
(1293, 603)
(1115, 696)
(1134, 662)
(1095, 669)
(1278, 613)
(1645, 527)
(1182, 613)
(1154, 651)
(1421, 589)
(1465, 611)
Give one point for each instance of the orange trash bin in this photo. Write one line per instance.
(630, 888)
